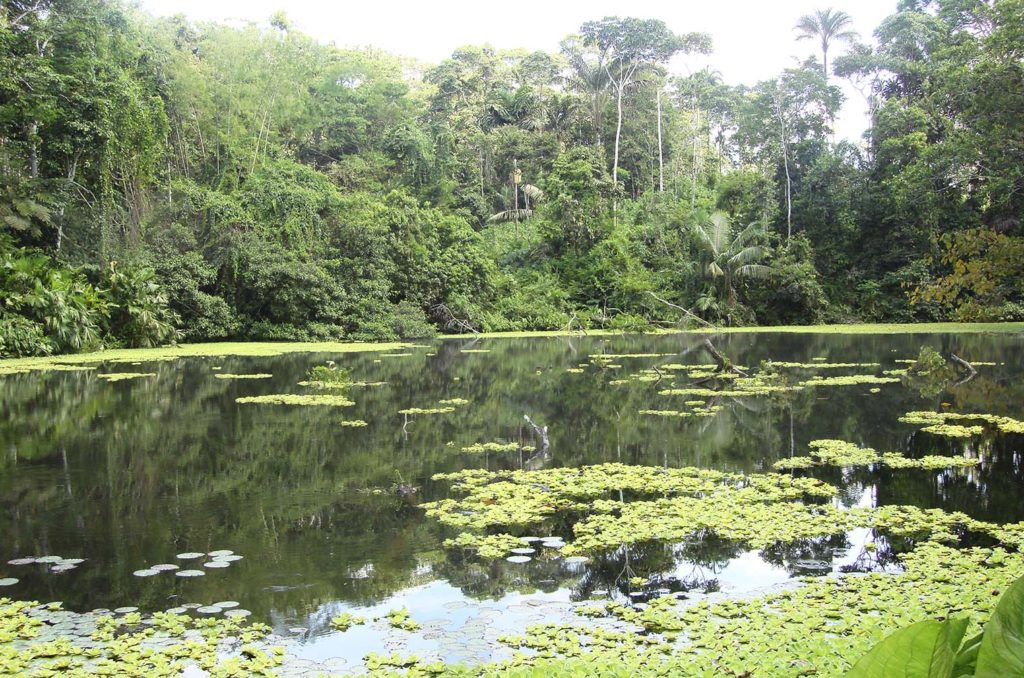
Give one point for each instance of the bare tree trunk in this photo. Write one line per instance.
(693, 170)
(785, 162)
(33, 153)
(618, 134)
(661, 155)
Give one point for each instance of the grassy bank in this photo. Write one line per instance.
(266, 348)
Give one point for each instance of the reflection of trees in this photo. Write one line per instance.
(129, 474)
(800, 556)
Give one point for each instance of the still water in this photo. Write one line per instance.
(128, 474)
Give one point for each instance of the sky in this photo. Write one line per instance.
(752, 39)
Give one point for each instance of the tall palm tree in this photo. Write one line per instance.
(730, 257)
(827, 26)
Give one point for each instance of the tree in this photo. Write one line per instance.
(630, 45)
(728, 256)
(826, 26)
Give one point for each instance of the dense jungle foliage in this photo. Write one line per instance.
(165, 180)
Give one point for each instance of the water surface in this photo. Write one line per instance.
(131, 473)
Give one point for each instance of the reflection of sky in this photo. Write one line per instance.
(456, 626)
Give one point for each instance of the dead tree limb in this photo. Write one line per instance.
(968, 370)
(687, 311)
(540, 431)
(451, 321)
(724, 364)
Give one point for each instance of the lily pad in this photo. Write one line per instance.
(177, 610)
(229, 559)
(8, 581)
(523, 551)
(209, 609)
(239, 612)
(72, 561)
(125, 610)
(221, 553)
(164, 567)
(576, 560)
(226, 604)
(190, 555)
(57, 569)
(190, 573)
(519, 559)
(21, 561)
(148, 572)
(217, 564)
(49, 559)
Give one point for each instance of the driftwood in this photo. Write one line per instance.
(540, 431)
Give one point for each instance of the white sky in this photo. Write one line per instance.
(752, 39)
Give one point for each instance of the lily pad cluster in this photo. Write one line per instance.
(214, 560)
(54, 564)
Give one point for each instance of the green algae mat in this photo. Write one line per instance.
(604, 504)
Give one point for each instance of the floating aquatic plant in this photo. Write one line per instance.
(427, 410)
(480, 448)
(930, 419)
(849, 380)
(305, 400)
(162, 646)
(346, 620)
(122, 376)
(225, 375)
(400, 619)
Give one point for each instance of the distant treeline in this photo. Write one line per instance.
(162, 179)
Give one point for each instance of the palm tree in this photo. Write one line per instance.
(730, 257)
(827, 26)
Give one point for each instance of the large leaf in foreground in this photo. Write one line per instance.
(926, 649)
(1002, 648)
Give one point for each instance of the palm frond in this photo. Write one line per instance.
(533, 192)
(510, 215)
(755, 271)
(745, 256)
(755, 229)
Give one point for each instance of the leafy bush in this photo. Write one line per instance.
(20, 337)
(139, 315)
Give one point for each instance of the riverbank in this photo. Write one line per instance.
(268, 348)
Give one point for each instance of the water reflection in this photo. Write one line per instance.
(128, 474)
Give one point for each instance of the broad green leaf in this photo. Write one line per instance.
(923, 650)
(967, 657)
(1002, 648)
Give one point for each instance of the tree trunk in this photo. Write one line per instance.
(618, 133)
(661, 156)
(33, 152)
(785, 163)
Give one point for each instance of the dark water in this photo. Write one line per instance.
(129, 474)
